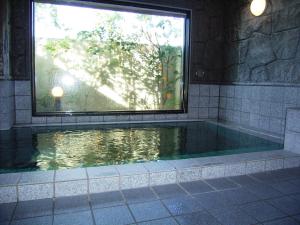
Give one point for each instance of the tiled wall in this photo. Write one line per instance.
(23, 102)
(6, 104)
(292, 134)
(203, 101)
(264, 53)
(258, 107)
(202, 104)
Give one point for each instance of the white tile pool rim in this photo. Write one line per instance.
(25, 186)
(84, 181)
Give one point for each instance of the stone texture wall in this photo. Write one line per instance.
(6, 85)
(2, 25)
(262, 49)
(20, 40)
(4, 39)
(261, 66)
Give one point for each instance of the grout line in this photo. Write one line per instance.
(281, 218)
(119, 177)
(13, 213)
(17, 193)
(162, 218)
(123, 196)
(53, 208)
(131, 213)
(266, 201)
(54, 190)
(92, 212)
(88, 184)
(186, 191)
(163, 204)
(233, 181)
(156, 195)
(213, 187)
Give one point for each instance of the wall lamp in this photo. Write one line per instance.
(258, 7)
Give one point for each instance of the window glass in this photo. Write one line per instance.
(105, 60)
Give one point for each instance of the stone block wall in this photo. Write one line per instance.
(262, 49)
(292, 134)
(6, 85)
(261, 78)
(4, 39)
(21, 40)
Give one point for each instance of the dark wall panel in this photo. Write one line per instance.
(262, 49)
(20, 39)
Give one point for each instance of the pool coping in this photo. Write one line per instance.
(25, 186)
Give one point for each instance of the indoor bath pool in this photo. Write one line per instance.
(42, 148)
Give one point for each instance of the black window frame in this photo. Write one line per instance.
(121, 6)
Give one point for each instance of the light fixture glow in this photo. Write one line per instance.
(57, 92)
(258, 7)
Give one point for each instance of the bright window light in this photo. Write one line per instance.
(113, 60)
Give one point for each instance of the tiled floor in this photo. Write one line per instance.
(271, 198)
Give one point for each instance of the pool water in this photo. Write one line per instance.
(68, 147)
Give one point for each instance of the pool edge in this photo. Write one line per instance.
(25, 186)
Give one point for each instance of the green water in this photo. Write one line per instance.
(69, 147)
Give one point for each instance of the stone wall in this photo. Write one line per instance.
(262, 49)
(261, 66)
(4, 39)
(6, 85)
(2, 25)
(20, 41)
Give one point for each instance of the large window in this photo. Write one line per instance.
(92, 57)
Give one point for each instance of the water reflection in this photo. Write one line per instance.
(98, 147)
(45, 148)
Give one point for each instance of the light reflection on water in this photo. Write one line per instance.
(97, 147)
(69, 147)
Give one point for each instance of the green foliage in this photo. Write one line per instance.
(110, 59)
